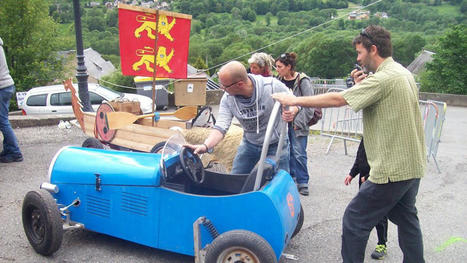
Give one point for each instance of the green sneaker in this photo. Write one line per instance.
(380, 252)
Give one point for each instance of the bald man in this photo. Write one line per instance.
(248, 98)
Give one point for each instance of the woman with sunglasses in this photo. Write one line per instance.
(300, 85)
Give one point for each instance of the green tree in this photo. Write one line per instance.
(405, 48)
(326, 55)
(111, 18)
(447, 72)
(248, 14)
(200, 63)
(464, 6)
(117, 78)
(268, 18)
(236, 13)
(29, 36)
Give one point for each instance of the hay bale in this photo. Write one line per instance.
(225, 151)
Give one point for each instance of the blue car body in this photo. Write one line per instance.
(122, 194)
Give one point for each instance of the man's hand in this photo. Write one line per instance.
(358, 75)
(197, 148)
(285, 98)
(348, 179)
(288, 113)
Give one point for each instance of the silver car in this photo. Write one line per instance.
(56, 100)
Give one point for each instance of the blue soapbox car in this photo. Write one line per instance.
(167, 200)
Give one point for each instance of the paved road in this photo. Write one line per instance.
(441, 203)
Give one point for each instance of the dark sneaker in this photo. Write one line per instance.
(380, 252)
(10, 158)
(303, 190)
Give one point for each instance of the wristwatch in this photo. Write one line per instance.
(208, 150)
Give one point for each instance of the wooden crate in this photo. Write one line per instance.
(190, 92)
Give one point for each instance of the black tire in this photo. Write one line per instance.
(301, 217)
(158, 147)
(92, 143)
(42, 222)
(238, 245)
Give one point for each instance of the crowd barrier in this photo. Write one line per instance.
(341, 123)
(433, 114)
(345, 124)
(321, 86)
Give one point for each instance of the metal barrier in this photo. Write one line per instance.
(341, 123)
(321, 86)
(433, 114)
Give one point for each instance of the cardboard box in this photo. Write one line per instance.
(128, 106)
(190, 92)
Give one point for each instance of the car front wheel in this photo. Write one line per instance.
(42, 222)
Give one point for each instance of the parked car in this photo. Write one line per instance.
(56, 100)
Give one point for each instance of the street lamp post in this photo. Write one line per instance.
(81, 71)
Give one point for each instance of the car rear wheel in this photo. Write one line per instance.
(92, 143)
(240, 246)
(301, 217)
(42, 222)
(158, 147)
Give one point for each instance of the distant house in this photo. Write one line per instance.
(164, 5)
(94, 4)
(147, 4)
(193, 72)
(359, 15)
(383, 15)
(97, 67)
(418, 64)
(109, 5)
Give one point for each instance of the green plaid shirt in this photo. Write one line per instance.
(392, 123)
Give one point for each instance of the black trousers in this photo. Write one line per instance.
(372, 203)
(382, 226)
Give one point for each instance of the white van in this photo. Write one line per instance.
(56, 100)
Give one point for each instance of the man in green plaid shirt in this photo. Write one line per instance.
(394, 142)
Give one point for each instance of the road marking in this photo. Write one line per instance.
(451, 241)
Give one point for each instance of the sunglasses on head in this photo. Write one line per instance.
(365, 34)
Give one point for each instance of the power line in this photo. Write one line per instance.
(292, 36)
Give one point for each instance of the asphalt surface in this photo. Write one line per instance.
(441, 204)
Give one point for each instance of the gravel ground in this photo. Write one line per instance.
(441, 204)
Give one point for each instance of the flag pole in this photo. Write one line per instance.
(155, 67)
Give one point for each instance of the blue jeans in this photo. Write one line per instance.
(298, 158)
(248, 155)
(372, 203)
(10, 143)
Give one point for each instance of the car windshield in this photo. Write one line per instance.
(172, 147)
(108, 93)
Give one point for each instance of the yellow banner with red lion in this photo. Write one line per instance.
(138, 50)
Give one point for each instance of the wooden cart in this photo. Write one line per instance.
(147, 136)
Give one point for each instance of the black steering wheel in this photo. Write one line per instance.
(192, 165)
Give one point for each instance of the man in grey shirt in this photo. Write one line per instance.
(10, 152)
(248, 98)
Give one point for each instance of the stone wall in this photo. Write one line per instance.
(450, 99)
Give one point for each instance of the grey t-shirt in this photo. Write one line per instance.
(5, 78)
(249, 113)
